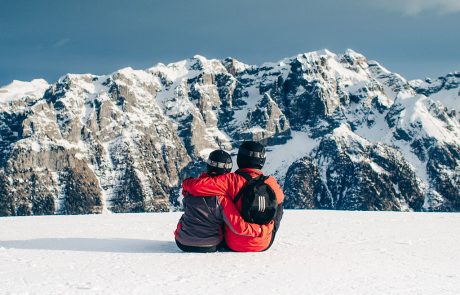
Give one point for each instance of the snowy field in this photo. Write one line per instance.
(316, 252)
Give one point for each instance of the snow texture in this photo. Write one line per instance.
(316, 252)
(19, 89)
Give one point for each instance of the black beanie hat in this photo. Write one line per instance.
(251, 154)
(219, 162)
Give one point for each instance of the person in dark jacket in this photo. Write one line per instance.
(200, 228)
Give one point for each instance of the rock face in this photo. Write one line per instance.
(349, 173)
(342, 133)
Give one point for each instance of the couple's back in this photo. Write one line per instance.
(229, 185)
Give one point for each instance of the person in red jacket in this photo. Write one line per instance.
(200, 229)
(250, 160)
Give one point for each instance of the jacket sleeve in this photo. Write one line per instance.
(235, 222)
(276, 188)
(205, 185)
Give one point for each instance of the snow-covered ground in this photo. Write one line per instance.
(316, 252)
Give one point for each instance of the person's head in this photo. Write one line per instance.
(251, 154)
(219, 162)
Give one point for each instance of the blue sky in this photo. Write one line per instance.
(48, 38)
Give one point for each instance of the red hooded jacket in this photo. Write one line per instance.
(230, 184)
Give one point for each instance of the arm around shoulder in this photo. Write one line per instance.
(235, 221)
(205, 185)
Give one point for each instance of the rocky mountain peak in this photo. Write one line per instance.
(342, 132)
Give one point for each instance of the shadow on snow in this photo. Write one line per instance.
(94, 245)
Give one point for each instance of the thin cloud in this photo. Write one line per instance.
(61, 43)
(414, 7)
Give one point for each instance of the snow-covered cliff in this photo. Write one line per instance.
(342, 132)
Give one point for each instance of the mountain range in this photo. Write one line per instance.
(342, 132)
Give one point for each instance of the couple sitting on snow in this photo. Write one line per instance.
(239, 211)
